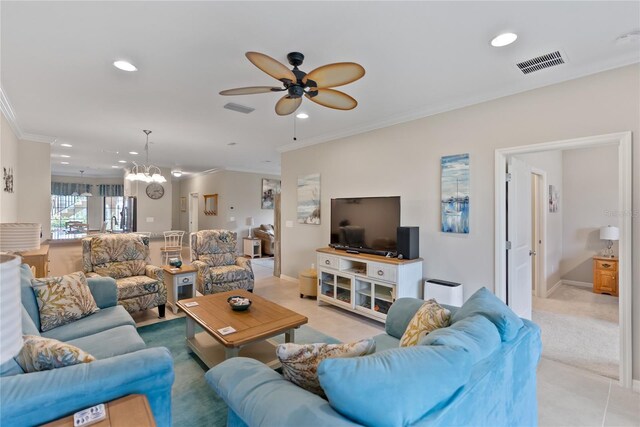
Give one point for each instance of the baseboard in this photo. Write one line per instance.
(577, 283)
(289, 278)
(636, 386)
(553, 288)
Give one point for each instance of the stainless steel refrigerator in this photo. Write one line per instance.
(128, 215)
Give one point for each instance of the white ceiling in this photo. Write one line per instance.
(421, 58)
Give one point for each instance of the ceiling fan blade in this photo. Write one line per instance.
(251, 90)
(333, 99)
(333, 75)
(287, 105)
(275, 69)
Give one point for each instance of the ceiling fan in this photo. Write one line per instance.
(316, 85)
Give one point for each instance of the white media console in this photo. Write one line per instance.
(366, 284)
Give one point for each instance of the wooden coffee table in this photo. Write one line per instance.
(263, 320)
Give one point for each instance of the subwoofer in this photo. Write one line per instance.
(408, 242)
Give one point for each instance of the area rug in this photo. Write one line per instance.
(582, 342)
(193, 402)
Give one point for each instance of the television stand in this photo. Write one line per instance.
(366, 284)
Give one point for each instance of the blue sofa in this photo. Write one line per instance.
(124, 365)
(479, 371)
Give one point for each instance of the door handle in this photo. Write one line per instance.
(532, 252)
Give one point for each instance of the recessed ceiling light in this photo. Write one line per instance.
(232, 143)
(135, 153)
(64, 163)
(302, 115)
(66, 145)
(65, 156)
(124, 66)
(122, 161)
(115, 167)
(177, 173)
(504, 39)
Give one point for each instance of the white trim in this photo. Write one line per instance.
(625, 198)
(553, 288)
(577, 283)
(542, 256)
(10, 115)
(288, 278)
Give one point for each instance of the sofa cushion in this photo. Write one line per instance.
(300, 361)
(228, 273)
(28, 326)
(10, 368)
(103, 320)
(400, 314)
(42, 354)
(485, 303)
(135, 286)
(429, 317)
(108, 248)
(219, 259)
(120, 269)
(386, 342)
(63, 299)
(476, 334)
(27, 296)
(394, 387)
(112, 342)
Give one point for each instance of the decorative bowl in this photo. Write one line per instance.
(175, 262)
(239, 303)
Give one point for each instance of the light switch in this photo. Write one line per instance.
(150, 219)
(289, 224)
(232, 218)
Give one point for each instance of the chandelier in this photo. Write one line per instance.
(147, 172)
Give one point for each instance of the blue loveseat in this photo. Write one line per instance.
(479, 371)
(124, 365)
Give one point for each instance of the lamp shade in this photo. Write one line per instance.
(609, 233)
(10, 307)
(19, 236)
(250, 221)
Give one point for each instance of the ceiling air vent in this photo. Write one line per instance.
(541, 62)
(239, 108)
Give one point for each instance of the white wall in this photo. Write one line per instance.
(152, 215)
(405, 160)
(238, 198)
(551, 162)
(8, 159)
(590, 184)
(34, 184)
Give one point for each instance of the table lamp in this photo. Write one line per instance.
(19, 236)
(610, 234)
(250, 223)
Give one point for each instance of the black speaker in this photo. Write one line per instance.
(408, 242)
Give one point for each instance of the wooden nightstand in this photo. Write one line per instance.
(180, 283)
(252, 247)
(605, 275)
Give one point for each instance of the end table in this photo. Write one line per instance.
(179, 280)
(252, 247)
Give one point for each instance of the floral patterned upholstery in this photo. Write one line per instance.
(125, 257)
(220, 269)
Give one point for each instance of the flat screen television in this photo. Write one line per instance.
(366, 224)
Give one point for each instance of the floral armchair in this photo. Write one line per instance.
(220, 269)
(125, 257)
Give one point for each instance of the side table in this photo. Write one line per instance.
(180, 283)
(128, 411)
(252, 247)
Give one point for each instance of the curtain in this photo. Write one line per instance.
(110, 190)
(68, 188)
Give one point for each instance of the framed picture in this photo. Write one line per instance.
(270, 187)
(183, 204)
(454, 192)
(309, 199)
(553, 199)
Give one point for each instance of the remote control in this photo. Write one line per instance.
(90, 415)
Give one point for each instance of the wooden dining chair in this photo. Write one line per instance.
(172, 245)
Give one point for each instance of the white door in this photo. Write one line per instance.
(193, 212)
(519, 234)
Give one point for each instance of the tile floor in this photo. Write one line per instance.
(567, 396)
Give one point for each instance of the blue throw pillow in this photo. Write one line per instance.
(476, 334)
(486, 304)
(27, 296)
(394, 387)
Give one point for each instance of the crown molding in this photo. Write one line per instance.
(10, 115)
(466, 102)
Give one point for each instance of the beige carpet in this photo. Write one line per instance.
(580, 328)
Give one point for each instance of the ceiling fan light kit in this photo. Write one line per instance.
(148, 172)
(316, 85)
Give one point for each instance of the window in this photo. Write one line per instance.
(69, 215)
(112, 212)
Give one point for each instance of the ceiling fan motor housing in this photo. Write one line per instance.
(295, 91)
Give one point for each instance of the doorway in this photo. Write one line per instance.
(517, 296)
(538, 232)
(193, 212)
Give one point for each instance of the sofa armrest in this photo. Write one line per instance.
(104, 291)
(262, 397)
(244, 263)
(40, 397)
(154, 272)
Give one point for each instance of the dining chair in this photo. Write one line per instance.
(172, 245)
